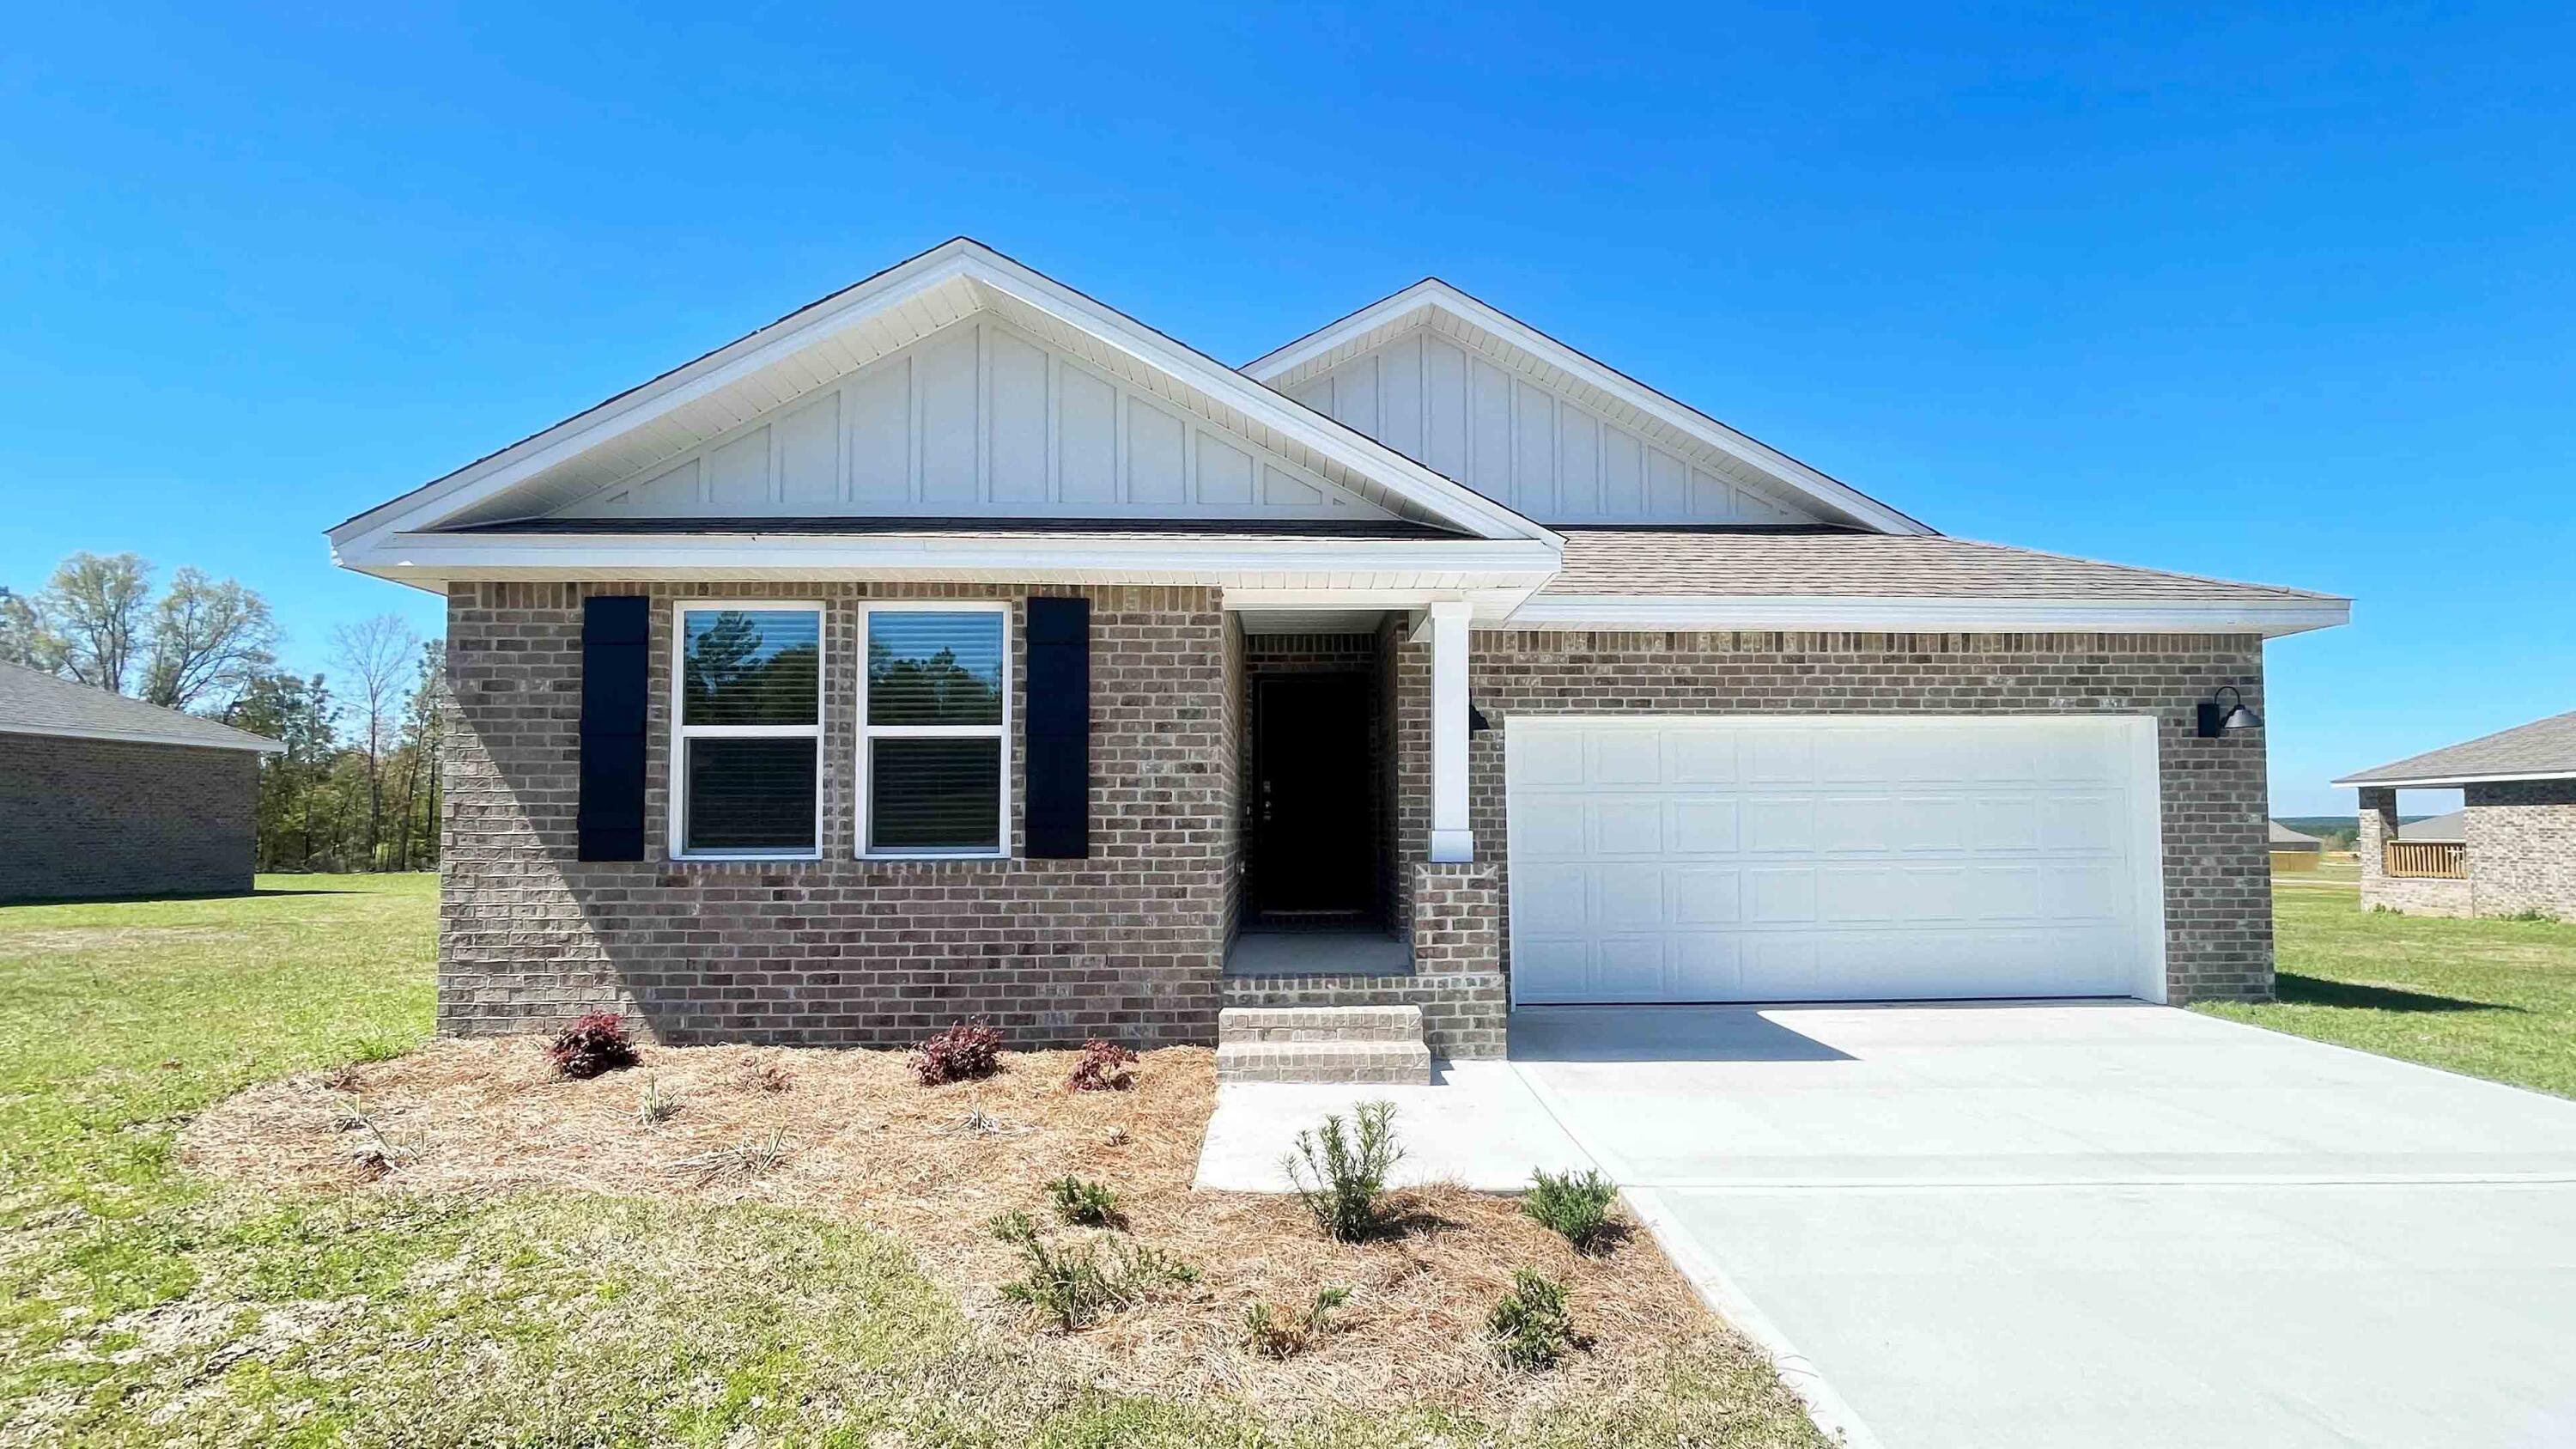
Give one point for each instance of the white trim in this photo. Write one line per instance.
(964, 260)
(1000, 733)
(2266, 617)
(263, 745)
(2444, 782)
(1453, 839)
(2146, 786)
(676, 787)
(1432, 293)
(1492, 605)
(425, 559)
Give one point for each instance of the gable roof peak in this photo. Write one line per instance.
(867, 319)
(1499, 335)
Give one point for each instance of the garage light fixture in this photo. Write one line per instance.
(2217, 719)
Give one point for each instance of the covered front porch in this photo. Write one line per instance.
(1356, 882)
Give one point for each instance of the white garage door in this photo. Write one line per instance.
(1820, 858)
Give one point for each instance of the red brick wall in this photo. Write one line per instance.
(2218, 905)
(1126, 943)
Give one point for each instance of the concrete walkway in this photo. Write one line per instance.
(1478, 1125)
(2058, 1224)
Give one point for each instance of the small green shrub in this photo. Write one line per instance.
(2534, 916)
(1339, 1172)
(1083, 1203)
(655, 1106)
(1575, 1205)
(1273, 1335)
(1529, 1326)
(1079, 1285)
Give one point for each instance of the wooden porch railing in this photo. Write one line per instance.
(2440, 859)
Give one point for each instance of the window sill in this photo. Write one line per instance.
(926, 857)
(810, 855)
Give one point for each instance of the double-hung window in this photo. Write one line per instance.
(934, 702)
(747, 731)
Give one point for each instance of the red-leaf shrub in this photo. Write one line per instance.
(597, 1043)
(968, 1049)
(1104, 1066)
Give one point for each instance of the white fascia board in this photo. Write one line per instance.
(962, 258)
(1432, 292)
(1486, 605)
(425, 557)
(253, 743)
(2444, 782)
(1903, 614)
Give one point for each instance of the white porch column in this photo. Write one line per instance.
(1451, 838)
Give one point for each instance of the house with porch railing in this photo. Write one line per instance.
(2509, 850)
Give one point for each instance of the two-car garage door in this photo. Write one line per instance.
(1777, 858)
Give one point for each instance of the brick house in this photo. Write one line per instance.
(109, 796)
(957, 645)
(2510, 849)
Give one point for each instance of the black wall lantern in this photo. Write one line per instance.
(1476, 724)
(2217, 719)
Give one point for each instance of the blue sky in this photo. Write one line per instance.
(2272, 294)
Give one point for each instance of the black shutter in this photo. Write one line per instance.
(616, 633)
(1058, 730)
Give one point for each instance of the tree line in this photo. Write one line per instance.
(357, 787)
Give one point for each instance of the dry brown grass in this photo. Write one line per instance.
(852, 1136)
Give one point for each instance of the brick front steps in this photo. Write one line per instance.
(1374, 1044)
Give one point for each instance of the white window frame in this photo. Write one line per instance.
(682, 732)
(867, 732)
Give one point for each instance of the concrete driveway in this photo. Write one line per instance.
(2113, 1224)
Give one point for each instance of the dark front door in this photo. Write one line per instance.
(1313, 855)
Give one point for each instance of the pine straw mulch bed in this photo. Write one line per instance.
(930, 1166)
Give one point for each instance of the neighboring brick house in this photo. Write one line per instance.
(2510, 850)
(959, 646)
(108, 796)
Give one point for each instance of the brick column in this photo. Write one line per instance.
(2378, 827)
(1458, 958)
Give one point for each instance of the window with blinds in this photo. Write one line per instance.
(748, 731)
(933, 701)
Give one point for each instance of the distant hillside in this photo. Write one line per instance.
(2337, 831)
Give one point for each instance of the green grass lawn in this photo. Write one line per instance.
(2490, 998)
(142, 1305)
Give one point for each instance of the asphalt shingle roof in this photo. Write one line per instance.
(36, 703)
(1824, 563)
(2544, 747)
(2452, 827)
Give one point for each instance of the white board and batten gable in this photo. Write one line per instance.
(978, 419)
(1412, 456)
(1481, 397)
(1526, 445)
